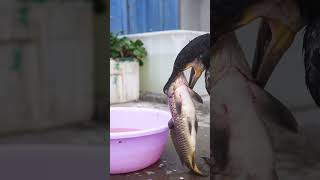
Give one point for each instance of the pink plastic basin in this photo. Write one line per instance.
(137, 138)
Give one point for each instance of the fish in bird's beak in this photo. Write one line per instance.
(193, 55)
(197, 70)
(184, 125)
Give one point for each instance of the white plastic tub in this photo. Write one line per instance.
(162, 48)
(124, 81)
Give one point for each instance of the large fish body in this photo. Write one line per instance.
(183, 125)
(242, 147)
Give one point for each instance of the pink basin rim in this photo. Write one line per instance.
(139, 133)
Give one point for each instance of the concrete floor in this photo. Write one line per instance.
(298, 155)
(71, 152)
(169, 166)
(86, 134)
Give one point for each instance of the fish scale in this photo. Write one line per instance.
(180, 137)
(182, 124)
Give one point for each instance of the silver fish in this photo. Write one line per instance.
(184, 125)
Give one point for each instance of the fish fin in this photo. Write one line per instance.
(195, 96)
(179, 107)
(189, 127)
(196, 125)
(270, 106)
(195, 168)
(170, 124)
(193, 159)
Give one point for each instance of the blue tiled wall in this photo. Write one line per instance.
(136, 16)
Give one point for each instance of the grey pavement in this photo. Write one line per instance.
(85, 134)
(169, 166)
(298, 155)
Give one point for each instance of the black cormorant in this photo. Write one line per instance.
(310, 18)
(195, 55)
(281, 20)
(311, 47)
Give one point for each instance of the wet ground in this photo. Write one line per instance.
(85, 134)
(169, 166)
(298, 155)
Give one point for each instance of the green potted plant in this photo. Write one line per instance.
(126, 56)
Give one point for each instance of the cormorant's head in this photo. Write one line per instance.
(275, 35)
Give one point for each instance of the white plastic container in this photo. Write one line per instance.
(124, 81)
(162, 48)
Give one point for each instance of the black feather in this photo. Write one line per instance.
(311, 48)
(228, 12)
(309, 10)
(196, 48)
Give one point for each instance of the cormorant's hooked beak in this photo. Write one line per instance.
(274, 38)
(195, 74)
(176, 72)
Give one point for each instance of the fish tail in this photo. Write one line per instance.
(196, 170)
(194, 166)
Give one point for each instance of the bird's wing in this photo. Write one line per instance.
(311, 47)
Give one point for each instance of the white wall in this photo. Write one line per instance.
(163, 48)
(195, 15)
